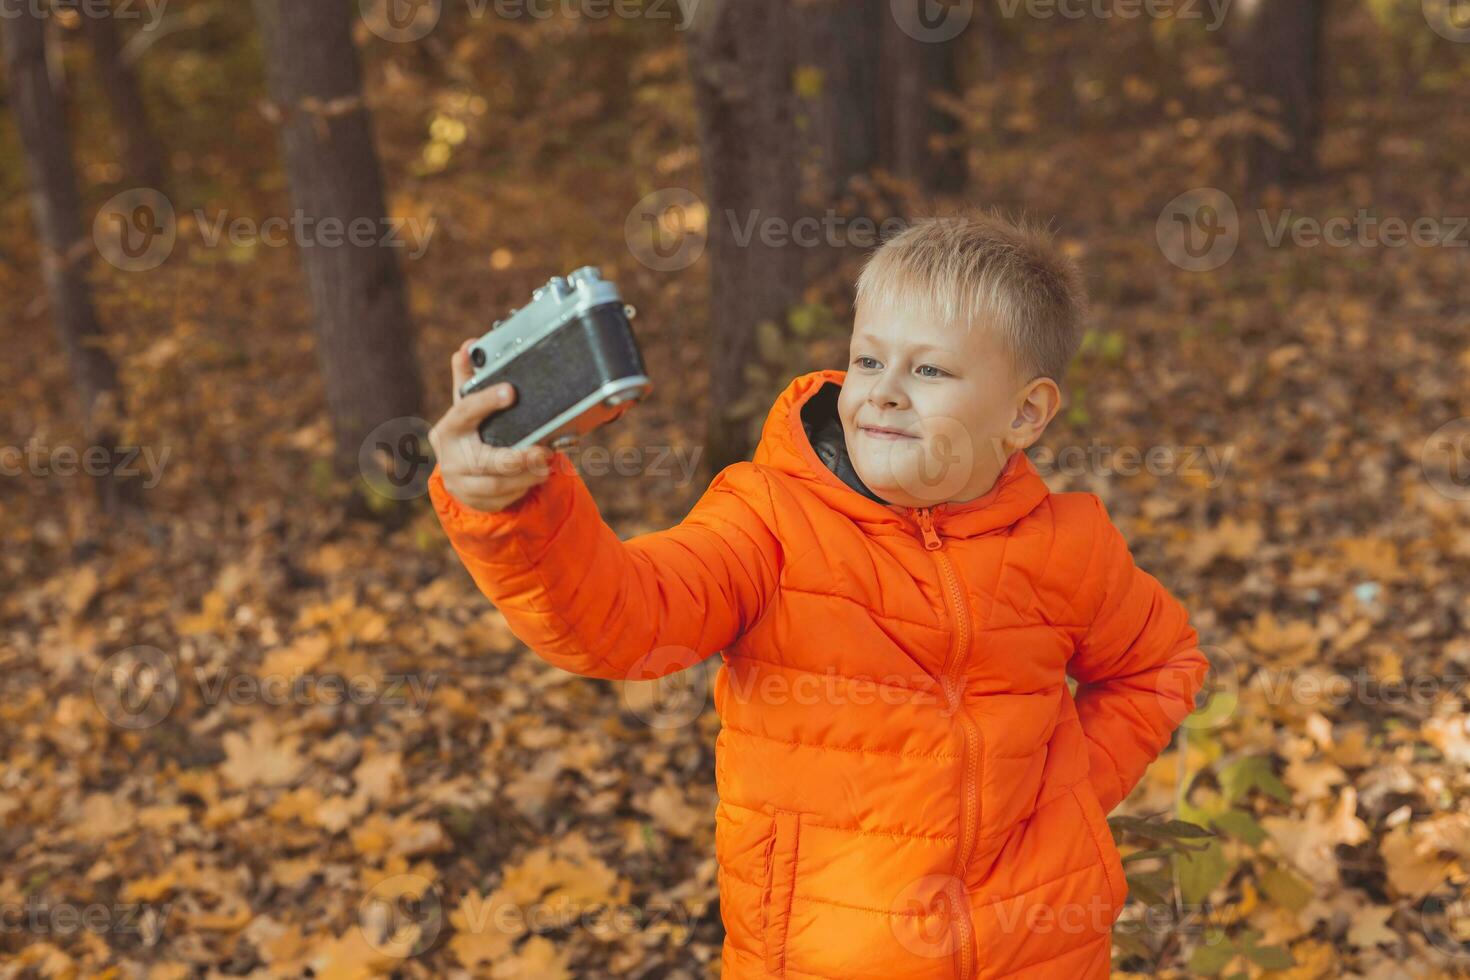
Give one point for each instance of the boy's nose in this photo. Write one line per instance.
(886, 394)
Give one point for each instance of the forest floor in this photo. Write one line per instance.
(1307, 515)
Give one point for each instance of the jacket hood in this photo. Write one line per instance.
(809, 402)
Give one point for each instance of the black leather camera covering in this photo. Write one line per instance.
(561, 369)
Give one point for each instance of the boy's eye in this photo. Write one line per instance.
(859, 361)
(938, 372)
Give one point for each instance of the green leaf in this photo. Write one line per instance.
(1154, 852)
(1271, 957)
(1150, 889)
(1252, 772)
(1158, 830)
(1123, 825)
(1183, 828)
(1286, 889)
(809, 82)
(1201, 873)
(1240, 825)
(1077, 414)
(1128, 943)
(810, 319)
(770, 346)
(1210, 960)
(321, 479)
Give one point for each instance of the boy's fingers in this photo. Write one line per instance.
(459, 366)
(517, 463)
(480, 460)
(466, 414)
(496, 488)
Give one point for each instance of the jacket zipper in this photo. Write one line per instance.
(952, 687)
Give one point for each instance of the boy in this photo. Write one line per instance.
(908, 788)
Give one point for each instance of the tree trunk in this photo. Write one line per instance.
(741, 57)
(839, 46)
(40, 119)
(363, 336)
(1277, 48)
(917, 60)
(139, 148)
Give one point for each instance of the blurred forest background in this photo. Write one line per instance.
(212, 491)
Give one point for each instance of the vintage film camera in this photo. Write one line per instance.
(572, 357)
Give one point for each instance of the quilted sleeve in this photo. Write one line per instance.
(1137, 663)
(637, 609)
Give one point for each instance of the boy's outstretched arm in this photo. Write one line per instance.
(1138, 666)
(595, 605)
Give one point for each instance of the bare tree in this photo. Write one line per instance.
(839, 44)
(1277, 49)
(139, 148)
(40, 118)
(741, 55)
(916, 62)
(363, 335)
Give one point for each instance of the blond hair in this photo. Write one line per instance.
(970, 267)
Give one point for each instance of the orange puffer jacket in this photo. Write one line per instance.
(908, 787)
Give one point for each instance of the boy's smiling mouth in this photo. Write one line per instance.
(881, 432)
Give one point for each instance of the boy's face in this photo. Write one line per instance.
(951, 393)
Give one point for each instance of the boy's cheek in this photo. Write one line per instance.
(847, 403)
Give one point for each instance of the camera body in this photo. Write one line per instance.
(572, 357)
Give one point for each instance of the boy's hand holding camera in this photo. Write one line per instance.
(484, 478)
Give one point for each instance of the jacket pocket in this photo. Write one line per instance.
(780, 885)
(1102, 837)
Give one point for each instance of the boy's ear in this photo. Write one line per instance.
(1036, 406)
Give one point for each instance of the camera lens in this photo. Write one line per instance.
(477, 357)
